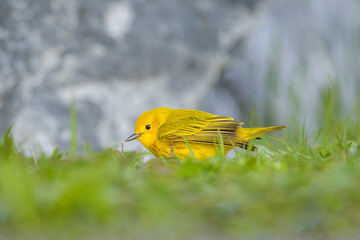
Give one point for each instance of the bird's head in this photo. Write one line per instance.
(148, 124)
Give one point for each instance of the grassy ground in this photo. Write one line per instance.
(292, 186)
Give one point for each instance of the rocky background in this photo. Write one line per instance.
(116, 59)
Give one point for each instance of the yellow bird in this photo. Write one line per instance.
(183, 132)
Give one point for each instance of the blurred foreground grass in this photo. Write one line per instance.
(290, 187)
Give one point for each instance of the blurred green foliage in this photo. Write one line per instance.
(290, 187)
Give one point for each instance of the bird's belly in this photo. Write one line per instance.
(199, 151)
(182, 150)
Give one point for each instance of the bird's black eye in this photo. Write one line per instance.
(147, 127)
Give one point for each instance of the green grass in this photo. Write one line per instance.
(290, 187)
(295, 186)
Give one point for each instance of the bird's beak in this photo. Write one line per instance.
(132, 137)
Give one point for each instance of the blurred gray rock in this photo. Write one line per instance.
(294, 54)
(116, 59)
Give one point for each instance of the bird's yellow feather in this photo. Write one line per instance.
(166, 132)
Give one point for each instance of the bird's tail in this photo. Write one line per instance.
(252, 133)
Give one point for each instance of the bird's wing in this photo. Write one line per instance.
(205, 130)
(219, 126)
(182, 127)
